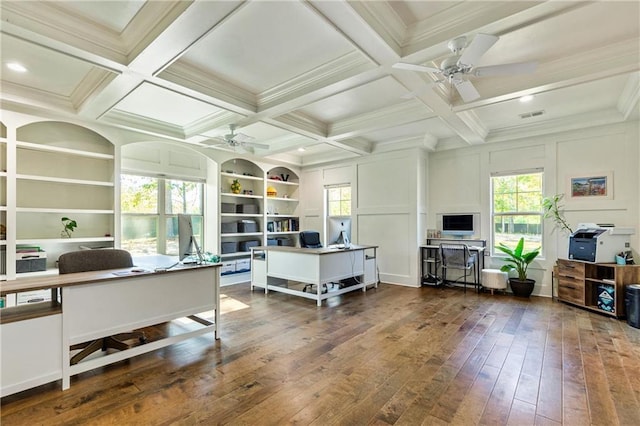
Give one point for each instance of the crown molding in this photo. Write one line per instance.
(52, 21)
(402, 113)
(300, 121)
(348, 65)
(563, 124)
(211, 121)
(151, 20)
(381, 17)
(142, 124)
(29, 96)
(194, 78)
(473, 122)
(630, 96)
(92, 83)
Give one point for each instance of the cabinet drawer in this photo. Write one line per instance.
(567, 268)
(571, 294)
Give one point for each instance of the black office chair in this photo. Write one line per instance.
(311, 239)
(98, 260)
(457, 256)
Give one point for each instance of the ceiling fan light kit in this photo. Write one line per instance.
(463, 61)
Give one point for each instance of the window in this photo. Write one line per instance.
(339, 201)
(149, 215)
(517, 209)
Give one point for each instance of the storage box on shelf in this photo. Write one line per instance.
(598, 287)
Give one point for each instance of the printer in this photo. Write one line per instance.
(599, 244)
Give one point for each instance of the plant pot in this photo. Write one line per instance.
(521, 288)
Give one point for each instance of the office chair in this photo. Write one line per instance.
(457, 256)
(310, 239)
(98, 260)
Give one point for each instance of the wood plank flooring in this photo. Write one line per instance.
(391, 356)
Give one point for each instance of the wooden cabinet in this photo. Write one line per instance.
(599, 287)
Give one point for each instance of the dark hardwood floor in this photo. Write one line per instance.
(394, 355)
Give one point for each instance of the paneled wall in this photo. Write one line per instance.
(459, 181)
(386, 200)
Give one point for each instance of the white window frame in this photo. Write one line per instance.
(540, 213)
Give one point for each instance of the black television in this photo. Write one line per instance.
(457, 225)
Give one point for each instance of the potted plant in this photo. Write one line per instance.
(553, 210)
(68, 226)
(519, 261)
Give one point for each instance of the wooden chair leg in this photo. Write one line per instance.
(113, 342)
(96, 345)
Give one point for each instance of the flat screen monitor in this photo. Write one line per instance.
(457, 224)
(187, 242)
(338, 230)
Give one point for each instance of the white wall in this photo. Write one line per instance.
(386, 194)
(459, 181)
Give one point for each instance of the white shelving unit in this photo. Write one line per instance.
(276, 217)
(283, 220)
(246, 207)
(49, 170)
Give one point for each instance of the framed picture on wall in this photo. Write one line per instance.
(595, 185)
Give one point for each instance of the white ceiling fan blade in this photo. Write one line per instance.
(255, 145)
(241, 137)
(478, 46)
(506, 69)
(412, 67)
(467, 91)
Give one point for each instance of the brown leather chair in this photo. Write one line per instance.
(98, 260)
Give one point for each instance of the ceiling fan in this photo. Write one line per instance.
(462, 63)
(233, 141)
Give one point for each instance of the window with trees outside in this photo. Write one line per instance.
(339, 201)
(150, 208)
(517, 209)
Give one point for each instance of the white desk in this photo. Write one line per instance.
(272, 267)
(36, 339)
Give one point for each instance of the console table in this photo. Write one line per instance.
(36, 338)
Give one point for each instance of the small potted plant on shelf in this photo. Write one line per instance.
(68, 226)
(519, 261)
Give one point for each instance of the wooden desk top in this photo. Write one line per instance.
(319, 251)
(79, 278)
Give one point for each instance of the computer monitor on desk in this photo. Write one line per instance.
(188, 248)
(339, 232)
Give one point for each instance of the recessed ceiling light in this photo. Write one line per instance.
(526, 98)
(14, 66)
(301, 149)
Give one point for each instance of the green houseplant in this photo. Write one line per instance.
(519, 261)
(68, 226)
(553, 210)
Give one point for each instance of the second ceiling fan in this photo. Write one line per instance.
(455, 68)
(233, 141)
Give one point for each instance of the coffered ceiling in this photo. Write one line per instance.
(318, 75)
